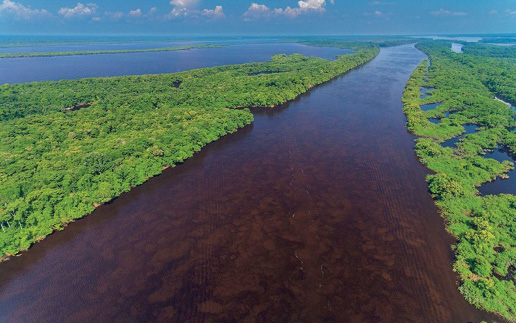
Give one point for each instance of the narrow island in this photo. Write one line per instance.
(114, 51)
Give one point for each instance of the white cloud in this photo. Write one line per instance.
(131, 15)
(289, 12)
(114, 16)
(257, 10)
(178, 12)
(443, 12)
(80, 10)
(183, 3)
(135, 13)
(316, 5)
(19, 11)
(377, 14)
(307, 6)
(380, 3)
(216, 13)
(183, 8)
(493, 12)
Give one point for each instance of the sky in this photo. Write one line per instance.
(257, 17)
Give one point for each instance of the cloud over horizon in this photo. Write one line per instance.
(135, 13)
(131, 16)
(79, 10)
(444, 12)
(308, 6)
(216, 13)
(183, 3)
(185, 8)
(19, 11)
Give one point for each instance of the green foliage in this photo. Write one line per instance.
(360, 42)
(115, 51)
(70, 145)
(484, 226)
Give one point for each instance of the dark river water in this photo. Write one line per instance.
(29, 69)
(318, 212)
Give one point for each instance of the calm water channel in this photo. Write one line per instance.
(318, 211)
(29, 69)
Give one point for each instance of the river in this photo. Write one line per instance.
(319, 211)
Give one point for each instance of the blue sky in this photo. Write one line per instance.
(238, 17)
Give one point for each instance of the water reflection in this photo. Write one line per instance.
(457, 48)
(425, 91)
(499, 185)
(426, 107)
(470, 128)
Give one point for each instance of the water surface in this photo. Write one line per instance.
(425, 91)
(469, 129)
(318, 212)
(427, 107)
(457, 48)
(499, 185)
(28, 69)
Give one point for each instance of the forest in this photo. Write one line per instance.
(69, 146)
(465, 86)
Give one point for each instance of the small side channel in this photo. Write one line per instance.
(470, 128)
(428, 107)
(425, 91)
(500, 185)
(437, 120)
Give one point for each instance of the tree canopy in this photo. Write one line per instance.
(465, 86)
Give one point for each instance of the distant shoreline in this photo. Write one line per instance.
(97, 52)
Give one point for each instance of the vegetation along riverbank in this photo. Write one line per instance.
(68, 146)
(114, 51)
(464, 86)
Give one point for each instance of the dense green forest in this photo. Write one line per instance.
(465, 85)
(68, 146)
(96, 52)
(369, 41)
(498, 39)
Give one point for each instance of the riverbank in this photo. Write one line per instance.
(483, 226)
(504, 102)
